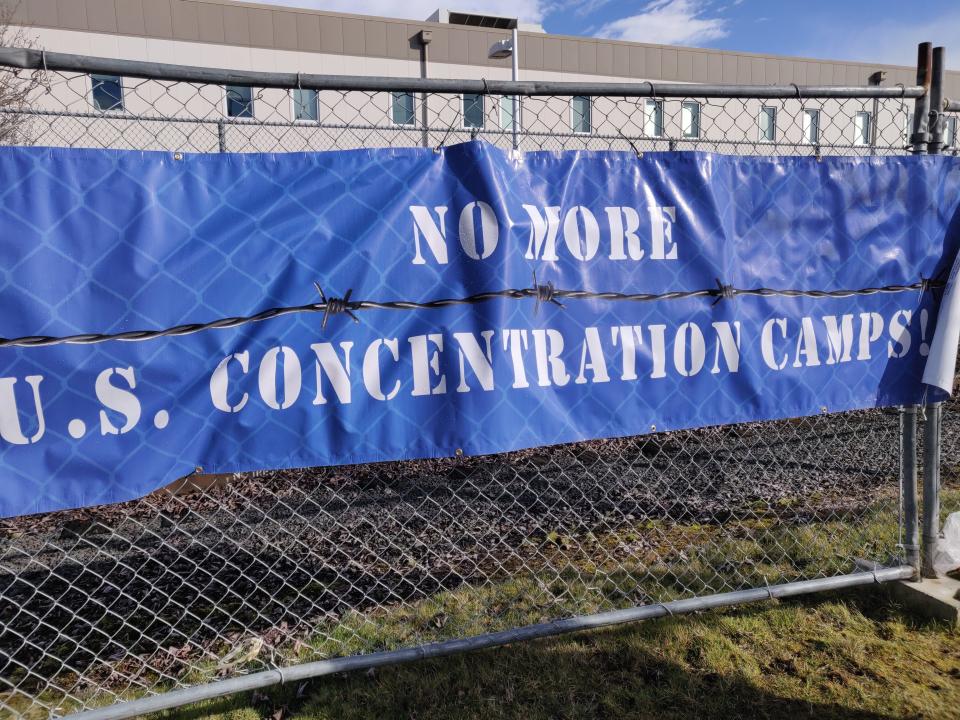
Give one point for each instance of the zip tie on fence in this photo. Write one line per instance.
(797, 88)
(544, 293)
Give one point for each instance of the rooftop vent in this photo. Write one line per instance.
(495, 22)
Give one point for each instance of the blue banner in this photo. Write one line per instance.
(112, 241)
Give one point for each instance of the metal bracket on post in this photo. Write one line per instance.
(931, 487)
(908, 488)
(921, 108)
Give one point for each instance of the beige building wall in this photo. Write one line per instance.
(239, 36)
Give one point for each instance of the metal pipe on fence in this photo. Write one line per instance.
(254, 681)
(221, 136)
(935, 142)
(37, 60)
(931, 487)
(921, 108)
(908, 488)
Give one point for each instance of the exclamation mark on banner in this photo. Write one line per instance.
(924, 345)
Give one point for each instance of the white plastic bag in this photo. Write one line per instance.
(947, 558)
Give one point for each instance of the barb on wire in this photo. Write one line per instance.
(335, 306)
(542, 293)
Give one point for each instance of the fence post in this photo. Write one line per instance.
(908, 487)
(931, 487)
(921, 108)
(221, 136)
(935, 109)
(931, 423)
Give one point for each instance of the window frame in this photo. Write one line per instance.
(773, 125)
(808, 112)
(463, 112)
(699, 106)
(413, 109)
(226, 105)
(658, 107)
(117, 109)
(515, 99)
(293, 106)
(858, 141)
(589, 116)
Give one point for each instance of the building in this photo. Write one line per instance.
(248, 36)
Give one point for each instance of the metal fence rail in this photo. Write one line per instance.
(224, 578)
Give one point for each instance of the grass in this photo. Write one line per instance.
(847, 656)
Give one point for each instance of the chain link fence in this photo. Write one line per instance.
(216, 577)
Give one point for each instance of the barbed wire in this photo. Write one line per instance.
(542, 293)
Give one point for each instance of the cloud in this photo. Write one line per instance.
(887, 41)
(525, 10)
(669, 22)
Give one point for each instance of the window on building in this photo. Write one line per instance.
(306, 105)
(107, 92)
(811, 126)
(402, 108)
(580, 120)
(239, 101)
(690, 119)
(949, 132)
(768, 124)
(861, 128)
(508, 113)
(473, 114)
(653, 118)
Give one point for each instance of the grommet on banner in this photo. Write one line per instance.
(724, 292)
(336, 306)
(544, 294)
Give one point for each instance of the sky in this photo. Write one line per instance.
(880, 31)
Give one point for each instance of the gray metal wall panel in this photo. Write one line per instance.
(397, 40)
(588, 57)
(186, 25)
(624, 62)
(331, 34)
(531, 52)
(570, 56)
(652, 63)
(353, 43)
(669, 62)
(604, 58)
(285, 30)
(308, 33)
(130, 18)
(42, 12)
(72, 14)
(158, 18)
(684, 66)
(236, 25)
(102, 15)
(375, 37)
(714, 67)
(439, 49)
(210, 22)
(457, 49)
(552, 50)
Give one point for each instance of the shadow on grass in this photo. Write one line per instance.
(823, 658)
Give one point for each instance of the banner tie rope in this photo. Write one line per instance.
(542, 293)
